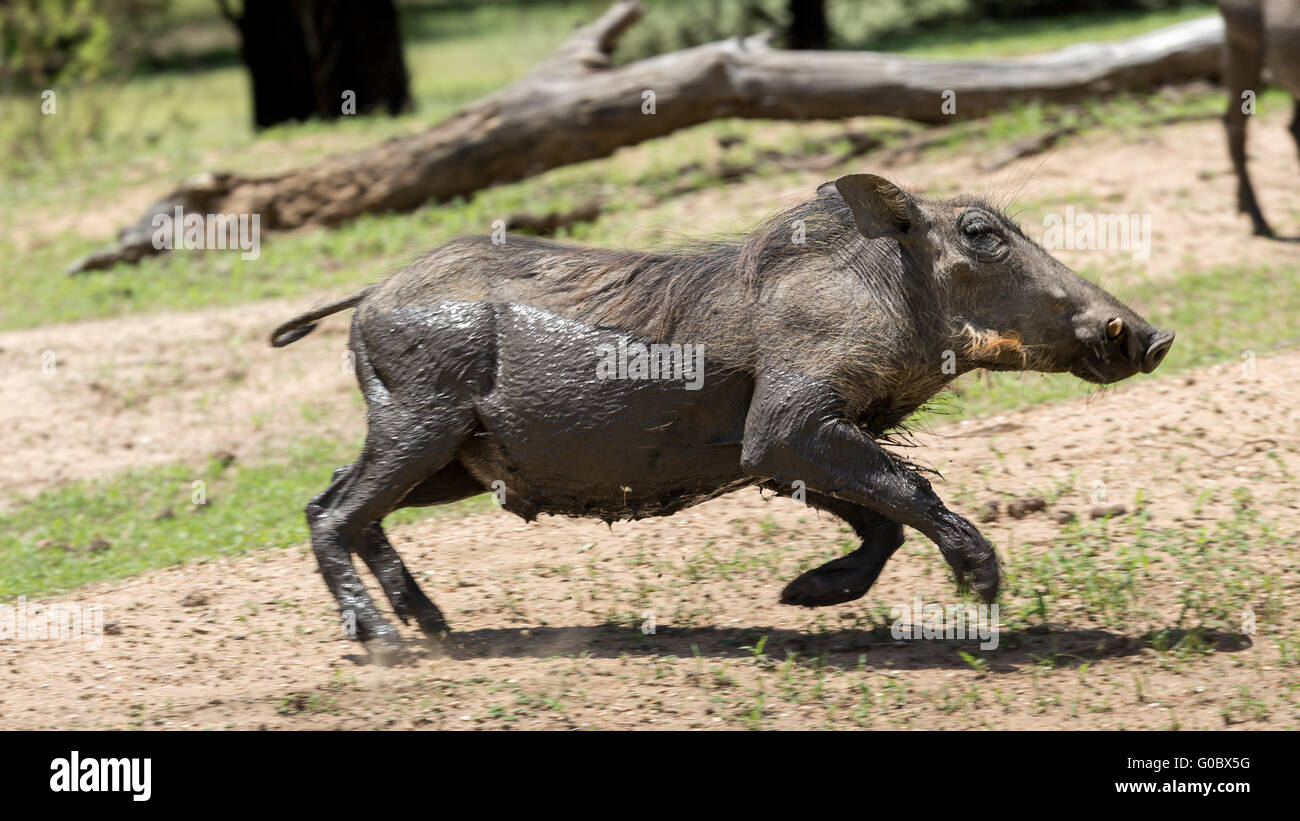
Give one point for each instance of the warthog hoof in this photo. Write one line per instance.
(985, 578)
(844, 579)
(431, 621)
(384, 645)
(385, 652)
(435, 636)
(972, 559)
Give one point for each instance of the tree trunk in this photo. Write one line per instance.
(808, 28)
(576, 106)
(314, 58)
(355, 47)
(279, 67)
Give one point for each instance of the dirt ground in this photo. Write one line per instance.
(552, 619)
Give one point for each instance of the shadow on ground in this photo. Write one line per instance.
(1055, 647)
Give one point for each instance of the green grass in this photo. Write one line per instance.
(150, 519)
(939, 28)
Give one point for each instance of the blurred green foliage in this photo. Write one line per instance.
(46, 42)
(56, 47)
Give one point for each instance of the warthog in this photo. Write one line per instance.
(487, 366)
(1258, 33)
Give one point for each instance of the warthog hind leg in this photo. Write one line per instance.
(406, 597)
(402, 450)
(450, 484)
(848, 577)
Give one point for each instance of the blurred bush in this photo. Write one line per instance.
(43, 42)
(63, 46)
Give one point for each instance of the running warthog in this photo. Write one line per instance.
(487, 366)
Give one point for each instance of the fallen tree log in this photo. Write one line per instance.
(577, 106)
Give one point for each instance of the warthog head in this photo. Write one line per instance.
(1014, 305)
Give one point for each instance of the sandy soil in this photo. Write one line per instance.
(160, 389)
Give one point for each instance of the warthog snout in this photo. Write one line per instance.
(1158, 345)
(1140, 343)
(1113, 342)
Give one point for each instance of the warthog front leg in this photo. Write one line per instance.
(848, 577)
(795, 430)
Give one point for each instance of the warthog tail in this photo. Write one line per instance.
(303, 324)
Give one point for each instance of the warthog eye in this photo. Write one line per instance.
(977, 226)
(982, 236)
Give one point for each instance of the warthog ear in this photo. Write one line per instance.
(880, 208)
